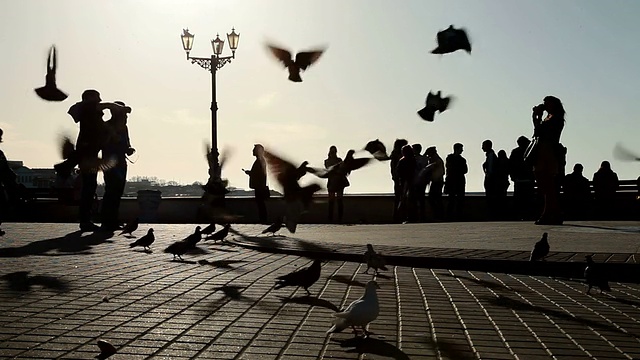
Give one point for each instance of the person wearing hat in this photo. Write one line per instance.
(118, 146)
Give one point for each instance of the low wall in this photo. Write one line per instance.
(368, 209)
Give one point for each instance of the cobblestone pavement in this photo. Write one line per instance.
(60, 294)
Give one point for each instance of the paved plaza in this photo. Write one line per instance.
(62, 291)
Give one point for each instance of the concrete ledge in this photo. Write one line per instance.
(358, 209)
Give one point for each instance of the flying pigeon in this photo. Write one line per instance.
(451, 40)
(595, 276)
(130, 227)
(194, 238)
(304, 277)
(541, 249)
(274, 228)
(434, 102)
(216, 185)
(50, 91)
(377, 149)
(220, 235)
(359, 313)
(68, 148)
(145, 241)
(178, 249)
(302, 62)
(374, 261)
(623, 154)
(286, 175)
(343, 168)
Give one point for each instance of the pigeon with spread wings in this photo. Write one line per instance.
(50, 91)
(451, 40)
(377, 149)
(343, 168)
(434, 102)
(302, 61)
(287, 176)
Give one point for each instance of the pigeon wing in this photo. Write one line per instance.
(307, 58)
(282, 55)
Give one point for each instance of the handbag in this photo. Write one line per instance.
(531, 153)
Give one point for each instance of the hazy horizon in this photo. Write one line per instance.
(369, 84)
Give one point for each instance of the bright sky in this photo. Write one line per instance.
(369, 84)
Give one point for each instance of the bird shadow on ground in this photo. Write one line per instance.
(197, 251)
(368, 345)
(129, 236)
(224, 264)
(522, 306)
(183, 261)
(21, 281)
(346, 280)
(451, 350)
(71, 244)
(632, 231)
(309, 300)
(488, 284)
(149, 251)
(287, 242)
(625, 301)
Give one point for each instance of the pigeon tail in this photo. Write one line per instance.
(338, 325)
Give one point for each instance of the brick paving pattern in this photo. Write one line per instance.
(59, 295)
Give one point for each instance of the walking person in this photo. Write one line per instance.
(490, 167)
(523, 179)
(9, 188)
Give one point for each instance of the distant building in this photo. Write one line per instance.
(33, 178)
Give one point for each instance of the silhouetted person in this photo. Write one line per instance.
(549, 157)
(605, 185)
(454, 184)
(91, 138)
(406, 172)
(395, 156)
(336, 183)
(258, 181)
(523, 179)
(9, 189)
(577, 193)
(119, 147)
(421, 181)
(436, 171)
(502, 183)
(490, 168)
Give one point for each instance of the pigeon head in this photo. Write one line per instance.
(544, 236)
(150, 231)
(369, 247)
(198, 228)
(350, 154)
(304, 163)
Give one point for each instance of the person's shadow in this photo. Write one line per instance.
(70, 244)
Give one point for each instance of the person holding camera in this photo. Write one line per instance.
(117, 146)
(547, 157)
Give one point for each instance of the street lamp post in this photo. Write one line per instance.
(212, 64)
